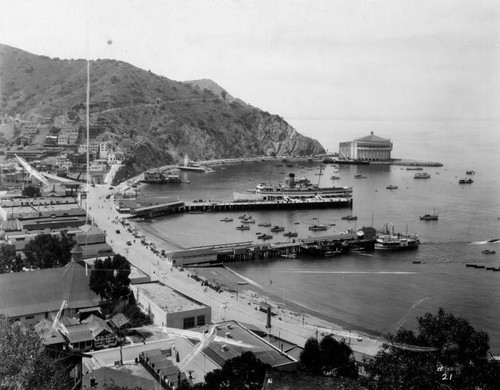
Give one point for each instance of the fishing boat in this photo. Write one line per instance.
(422, 175)
(276, 229)
(227, 219)
(290, 234)
(349, 218)
(265, 224)
(392, 187)
(243, 227)
(317, 227)
(388, 240)
(488, 252)
(466, 181)
(265, 236)
(429, 217)
(247, 221)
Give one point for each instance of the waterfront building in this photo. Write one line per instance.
(369, 148)
(167, 307)
(32, 296)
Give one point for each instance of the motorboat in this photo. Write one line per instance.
(392, 187)
(488, 252)
(265, 224)
(349, 218)
(276, 229)
(422, 175)
(243, 227)
(317, 228)
(227, 219)
(466, 181)
(265, 237)
(291, 234)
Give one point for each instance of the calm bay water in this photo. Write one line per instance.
(375, 291)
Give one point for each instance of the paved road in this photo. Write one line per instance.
(224, 305)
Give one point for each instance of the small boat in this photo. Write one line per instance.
(265, 224)
(289, 255)
(488, 252)
(244, 216)
(296, 223)
(429, 217)
(392, 187)
(242, 283)
(317, 228)
(388, 240)
(416, 262)
(422, 175)
(466, 181)
(276, 229)
(195, 212)
(360, 177)
(248, 221)
(243, 227)
(349, 218)
(335, 178)
(290, 234)
(470, 172)
(414, 168)
(227, 219)
(265, 237)
(331, 253)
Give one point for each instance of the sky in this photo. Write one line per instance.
(300, 59)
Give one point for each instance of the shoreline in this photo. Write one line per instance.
(228, 279)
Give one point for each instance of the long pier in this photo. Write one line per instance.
(211, 206)
(325, 246)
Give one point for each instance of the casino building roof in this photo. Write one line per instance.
(368, 148)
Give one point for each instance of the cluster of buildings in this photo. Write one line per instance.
(59, 144)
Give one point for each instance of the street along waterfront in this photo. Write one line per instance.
(372, 291)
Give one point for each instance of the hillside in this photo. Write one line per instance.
(163, 118)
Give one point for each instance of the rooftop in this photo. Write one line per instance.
(31, 292)
(168, 299)
(372, 138)
(220, 352)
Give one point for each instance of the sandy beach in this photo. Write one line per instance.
(237, 301)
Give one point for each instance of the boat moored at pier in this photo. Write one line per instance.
(388, 240)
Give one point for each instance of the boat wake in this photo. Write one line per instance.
(305, 271)
(492, 241)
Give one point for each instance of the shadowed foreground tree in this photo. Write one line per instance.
(457, 357)
(110, 278)
(330, 357)
(24, 363)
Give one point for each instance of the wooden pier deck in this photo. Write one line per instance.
(200, 207)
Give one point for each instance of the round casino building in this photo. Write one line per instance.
(369, 148)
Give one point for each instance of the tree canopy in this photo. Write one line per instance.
(242, 372)
(110, 278)
(31, 192)
(9, 260)
(329, 357)
(48, 251)
(457, 357)
(24, 363)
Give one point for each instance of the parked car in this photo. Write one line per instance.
(129, 243)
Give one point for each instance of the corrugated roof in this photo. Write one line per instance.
(27, 293)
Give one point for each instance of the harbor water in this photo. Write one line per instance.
(378, 291)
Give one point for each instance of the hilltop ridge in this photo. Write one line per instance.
(161, 119)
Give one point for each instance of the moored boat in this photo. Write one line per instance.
(227, 219)
(349, 218)
(265, 237)
(429, 217)
(317, 228)
(290, 234)
(243, 227)
(466, 181)
(392, 187)
(265, 224)
(422, 175)
(388, 240)
(276, 229)
(488, 252)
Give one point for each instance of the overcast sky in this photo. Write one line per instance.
(311, 59)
